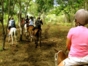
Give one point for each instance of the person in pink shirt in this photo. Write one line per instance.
(77, 41)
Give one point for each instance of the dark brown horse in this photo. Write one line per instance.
(35, 33)
(37, 37)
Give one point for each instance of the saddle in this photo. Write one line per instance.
(30, 27)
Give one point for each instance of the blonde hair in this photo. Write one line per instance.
(81, 16)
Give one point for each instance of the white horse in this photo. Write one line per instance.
(25, 27)
(13, 34)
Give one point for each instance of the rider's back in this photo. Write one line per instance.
(12, 23)
(38, 22)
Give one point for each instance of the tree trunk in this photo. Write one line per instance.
(3, 30)
(21, 29)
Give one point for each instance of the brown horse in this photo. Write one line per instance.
(30, 31)
(60, 56)
(34, 34)
(37, 37)
(21, 27)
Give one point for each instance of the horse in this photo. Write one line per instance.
(30, 31)
(37, 35)
(34, 33)
(60, 56)
(13, 35)
(21, 25)
(24, 28)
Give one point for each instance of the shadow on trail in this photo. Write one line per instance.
(42, 55)
(27, 55)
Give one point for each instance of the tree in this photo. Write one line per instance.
(44, 5)
(69, 7)
(3, 30)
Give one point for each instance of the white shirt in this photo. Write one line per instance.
(31, 22)
(10, 21)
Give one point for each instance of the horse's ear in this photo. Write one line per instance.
(55, 50)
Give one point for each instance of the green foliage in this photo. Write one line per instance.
(44, 5)
(66, 7)
(33, 8)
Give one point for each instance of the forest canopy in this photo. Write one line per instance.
(21, 8)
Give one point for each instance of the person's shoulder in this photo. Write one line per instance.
(72, 29)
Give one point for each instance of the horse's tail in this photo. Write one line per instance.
(12, 33)
(15, 32)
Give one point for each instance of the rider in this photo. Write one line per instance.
(27, 20)
(26, 23)
(77, 41)
(38, 23)
(11, 23)
(31, 21)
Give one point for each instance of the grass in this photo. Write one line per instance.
(1, 48)
(53, 36)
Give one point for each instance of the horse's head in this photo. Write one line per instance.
(59, 56)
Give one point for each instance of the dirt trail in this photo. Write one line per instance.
(25, 54)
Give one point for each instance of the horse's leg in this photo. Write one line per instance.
(35, 34)
(9, 37)
(8, 31)
(40, 38)
(31, 32)
(12, 37)
(15, 35)
(36, 42)
(25, 27)
(31, 35)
